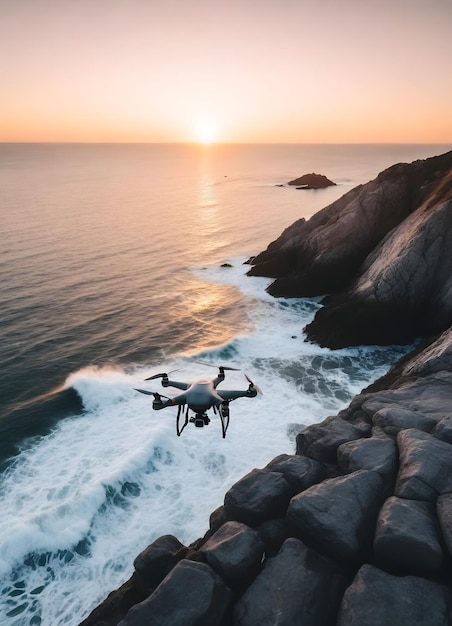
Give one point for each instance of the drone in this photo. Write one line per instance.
(200, 396)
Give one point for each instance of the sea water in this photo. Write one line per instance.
(112, 270)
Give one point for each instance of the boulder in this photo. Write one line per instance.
(419, 403)
(217, 518)
(312, 181)
(376, 598)
(444, 513)
(394, 418)
(299, 471)
(321, 441)
(273, 533)
(191, 595)
(407, 537)
(154, 563)
(443, 429)
(297, 586)
(235, 552)
(425, 466)
(374, 453)
(338, 517)
(258, 496)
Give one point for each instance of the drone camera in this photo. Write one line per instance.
(200, 420)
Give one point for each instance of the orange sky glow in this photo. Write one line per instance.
(298, 71)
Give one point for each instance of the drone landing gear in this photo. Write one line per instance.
(224, 417)
(202, 419)
(180, 410)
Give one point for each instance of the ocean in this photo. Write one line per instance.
(112, 270)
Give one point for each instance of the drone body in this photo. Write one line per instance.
(200, 396)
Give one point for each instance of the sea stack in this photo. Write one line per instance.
(312, 181)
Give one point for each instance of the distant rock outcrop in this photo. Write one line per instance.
(312, 181)
(383, 253)
(355, 528)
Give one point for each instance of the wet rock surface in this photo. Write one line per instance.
(376, 598)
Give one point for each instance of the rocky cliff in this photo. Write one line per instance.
(381, 252)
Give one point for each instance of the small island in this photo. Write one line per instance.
(312, 181)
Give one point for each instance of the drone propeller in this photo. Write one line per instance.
(152, 393)
(161, 375)
(156, 376)
(223, 367)
(258, 389)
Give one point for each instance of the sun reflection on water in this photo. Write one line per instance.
(208, 214)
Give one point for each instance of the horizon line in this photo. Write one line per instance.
(234, 143)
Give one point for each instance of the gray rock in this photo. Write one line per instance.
(428, 398)
(444, 512)
(321, 441)
(273, 533)
(372, 453)
(404, 289)
(434, 358)
(154, 563)
(394, 418)
(217, 518)
(258, 496)
(407, 537)
(443, 430)
(376, 598)
(297, 586)
(425, 466)
(235, 552)
(191, 595)
(299, 471)
(338, 516)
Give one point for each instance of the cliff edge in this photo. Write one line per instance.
(382, 255)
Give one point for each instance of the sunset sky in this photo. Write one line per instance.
(300, 71)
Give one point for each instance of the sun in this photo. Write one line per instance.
(205, 130)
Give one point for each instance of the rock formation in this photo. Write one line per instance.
(355, 528)
(312, 181)
(382, 252)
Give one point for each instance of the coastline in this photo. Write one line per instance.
(361, 514)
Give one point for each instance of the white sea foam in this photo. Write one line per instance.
(79, 504)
